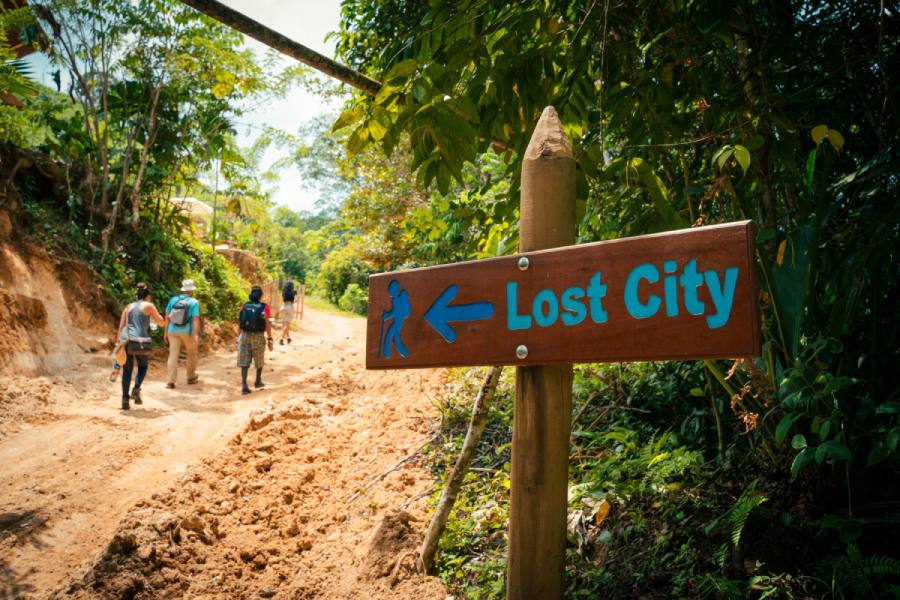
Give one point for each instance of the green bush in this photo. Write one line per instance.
(340, 268)
(160, 256)
(163, 259)
(355, 299)
(219, 289)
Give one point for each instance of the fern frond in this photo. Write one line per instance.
(741, 512)
(721, 554)
(881, 565)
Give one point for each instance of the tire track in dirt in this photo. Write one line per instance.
(216, 507)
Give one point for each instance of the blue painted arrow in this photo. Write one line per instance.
(439, 315)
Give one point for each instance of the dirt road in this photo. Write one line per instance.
(79, 476)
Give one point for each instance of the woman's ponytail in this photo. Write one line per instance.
(142, 291)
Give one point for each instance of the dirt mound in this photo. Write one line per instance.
(52, 310)
(392, 551)
(218, 337)
(251, 266)
(274, 514)
(24, 318)
(27, 401)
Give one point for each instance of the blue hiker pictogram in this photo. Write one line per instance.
(399, 312)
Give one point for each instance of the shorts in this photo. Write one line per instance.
(287, 313)
(252, 348)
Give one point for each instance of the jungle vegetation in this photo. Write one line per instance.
(773, 477)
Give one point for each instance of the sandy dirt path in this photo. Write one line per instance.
(76, 472)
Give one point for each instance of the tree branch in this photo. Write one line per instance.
(285, 45)
(448, 495)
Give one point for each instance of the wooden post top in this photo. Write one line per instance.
(549, 140)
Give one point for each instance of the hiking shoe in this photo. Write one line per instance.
(259, 384)
(280, 343)
(136, 396)
(125, 405)
(193, 380)
(114, 375)
(245, 389)
(289, 340)
(170, 386)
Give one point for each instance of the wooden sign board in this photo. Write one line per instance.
(687, 294)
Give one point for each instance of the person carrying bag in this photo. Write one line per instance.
(256, 334)
(134, 329)
(183, 331)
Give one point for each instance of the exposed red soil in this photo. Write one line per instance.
(203, 492)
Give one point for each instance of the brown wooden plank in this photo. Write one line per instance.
(622, 337)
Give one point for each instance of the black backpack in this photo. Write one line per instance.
(253, 317)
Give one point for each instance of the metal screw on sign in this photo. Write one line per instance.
(524, 263)
(522, 352)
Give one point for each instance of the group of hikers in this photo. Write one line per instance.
(181, 323)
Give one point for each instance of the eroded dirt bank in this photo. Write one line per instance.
(203, 493)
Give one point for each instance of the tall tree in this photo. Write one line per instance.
(156, 80)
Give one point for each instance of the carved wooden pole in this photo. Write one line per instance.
(543, 407)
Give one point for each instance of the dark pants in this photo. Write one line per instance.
(142, 362)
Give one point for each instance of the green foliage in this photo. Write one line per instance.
(468, 222)
(680, 114)
(855, 575)
(355, 299)
(341, 268)
(155, 86)
(625, 468)
(471, 555)
(15, 82)
(220, 289)
(159, 256)
(652, 513)
(14, 75)
(735, 518)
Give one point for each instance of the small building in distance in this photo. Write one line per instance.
(197, 211)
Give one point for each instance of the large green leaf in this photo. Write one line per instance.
(659, 195)
(790, 282)
(348, 117)
(784, 426)
(742, 155)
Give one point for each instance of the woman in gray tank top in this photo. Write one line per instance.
(134, 326)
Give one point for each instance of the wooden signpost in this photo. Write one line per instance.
(687, 294)
(677, 295)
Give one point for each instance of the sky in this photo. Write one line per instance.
(307, 22)
(304, 21)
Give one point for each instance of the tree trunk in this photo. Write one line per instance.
(454, 482)
(145, 156)
(106, 234)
